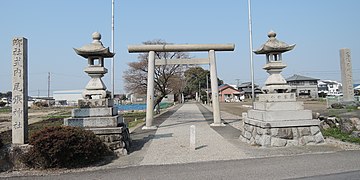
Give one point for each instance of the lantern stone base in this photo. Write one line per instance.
(116, 138)
(106, 123)
(277, 121)
(281, 136)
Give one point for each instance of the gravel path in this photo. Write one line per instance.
(171, 142)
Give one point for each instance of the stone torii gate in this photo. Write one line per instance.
(210, 48)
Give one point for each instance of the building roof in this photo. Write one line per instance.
(297, 77)
(246, 84)
(249, 90)
(328, 82)
(226, 86)
(357, 87)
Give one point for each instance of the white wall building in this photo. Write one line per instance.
(71, 97)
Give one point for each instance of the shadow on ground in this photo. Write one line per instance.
(228, 132)
(141, 137)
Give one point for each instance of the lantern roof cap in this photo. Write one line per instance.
(273, 45)
(95, 48)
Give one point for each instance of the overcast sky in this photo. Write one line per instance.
(318, 28)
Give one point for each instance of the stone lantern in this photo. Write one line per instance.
(95, 53)
(277, 119)
(96, 111)
(273, 50)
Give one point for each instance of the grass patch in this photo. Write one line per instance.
(134, 123)
(57, 116)
(336, 133)
(130, 118)
(5, 110)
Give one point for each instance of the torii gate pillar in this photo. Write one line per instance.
(214, 90)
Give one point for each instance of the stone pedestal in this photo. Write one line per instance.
(279, 120)
(106, 123)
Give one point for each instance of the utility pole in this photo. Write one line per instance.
(251, 53)
(113, 50)
(49, 78)
(237, 82)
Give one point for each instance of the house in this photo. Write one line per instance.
(304, 87)
(357, 89)
(246, 89)
(329, 88)
(228, 93)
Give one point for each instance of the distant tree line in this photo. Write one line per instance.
(6, 95)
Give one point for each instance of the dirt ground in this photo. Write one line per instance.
(35, 115)
(237, 108)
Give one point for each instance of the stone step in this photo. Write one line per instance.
(280, 115)
(94, 121)
(94, 112)
(278, 106)
(288, 123)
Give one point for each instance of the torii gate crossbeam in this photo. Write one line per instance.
(210, 48)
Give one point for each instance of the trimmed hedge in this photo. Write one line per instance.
(64, 147)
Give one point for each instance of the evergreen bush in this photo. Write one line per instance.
(1, 144)
(64, 147)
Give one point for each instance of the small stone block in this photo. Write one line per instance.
(292, 143)
(309, 139)
(244, 115)
(266, 140)
(319, 138)
(314, 130)
(304, 131)
(192, 138)
(247, 135)
(278, 142)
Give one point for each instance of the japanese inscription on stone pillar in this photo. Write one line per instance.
(19, 91)
(346, 74)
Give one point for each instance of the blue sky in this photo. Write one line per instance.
(318, 28)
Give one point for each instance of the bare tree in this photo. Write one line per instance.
(168, 78)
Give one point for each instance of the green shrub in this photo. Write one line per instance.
(1, 144)
(337, 106)
(64, 147)
(2, 104)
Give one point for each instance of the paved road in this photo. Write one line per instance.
(339, 165)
